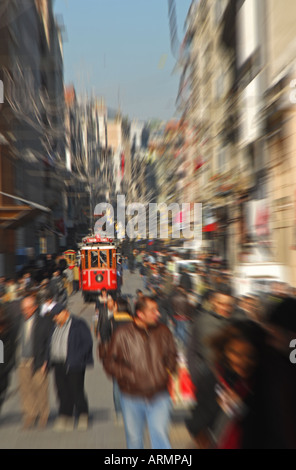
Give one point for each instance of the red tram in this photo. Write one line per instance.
(98, 266)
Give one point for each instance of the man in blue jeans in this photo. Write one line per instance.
(140, 357)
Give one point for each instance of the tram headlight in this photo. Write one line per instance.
(99, 278)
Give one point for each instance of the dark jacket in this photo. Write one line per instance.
(43, 329)
(80, 345)
(206, 325)
(201, 366)
(140, 360)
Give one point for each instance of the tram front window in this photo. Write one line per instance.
(94, 259)
(103, 259)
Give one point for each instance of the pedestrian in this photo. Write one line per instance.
(214, 315)
(70, 354)
(182, 314)
(122, 315)
(272, 424)
(58, 287)
(238, 351)
(69, 277)
(105, 313)
(185, 280)
(143, 273)
(46, 300)
(9, 329)
(119, 274)
(10, 290)
(140, 357)
(76, 278)
(33, 366)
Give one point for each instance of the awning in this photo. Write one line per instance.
(14, 216)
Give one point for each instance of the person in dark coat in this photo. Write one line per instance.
(57, 286)
(238, 354)
(214, 315)
(70, 353)
(272, 424)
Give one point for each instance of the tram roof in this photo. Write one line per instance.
(99, 247)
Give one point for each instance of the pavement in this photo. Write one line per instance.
(104, 432)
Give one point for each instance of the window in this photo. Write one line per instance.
(94, 259)
(103, 259)
(84, 259)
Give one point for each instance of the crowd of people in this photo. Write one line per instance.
(40, 334)
(237, 352)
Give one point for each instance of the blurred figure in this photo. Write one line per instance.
(238, 355)
(139, 295)
(106, 312)
(46, 300)
(42, 291)
(182, 315)
(76, 278)
(240, 308)
(57, 285)
(119, 273)
(122, 315)
(140, 357)
(10, 290)
(168, 283)
(143, 273)
(273, 423)
(33, 364)
(155, 280)
(102, 300)
(214, 315)
(69, 277)
(69, 363)
(185, 280)
(9, 328)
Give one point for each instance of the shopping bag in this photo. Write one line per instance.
(181, 388)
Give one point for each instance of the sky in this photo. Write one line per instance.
(120, 50)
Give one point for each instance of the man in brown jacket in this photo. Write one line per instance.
(140, 357)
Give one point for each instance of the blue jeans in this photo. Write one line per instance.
(116, 397)
(138, 411)
(181, 331)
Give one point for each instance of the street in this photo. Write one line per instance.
(103, 432)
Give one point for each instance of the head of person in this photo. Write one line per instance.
(29, 305)
(222, 301)
(59, 315)
(146, 310)
(238, 347)
(104, 292)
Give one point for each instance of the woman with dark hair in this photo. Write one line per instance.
(238, 354)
